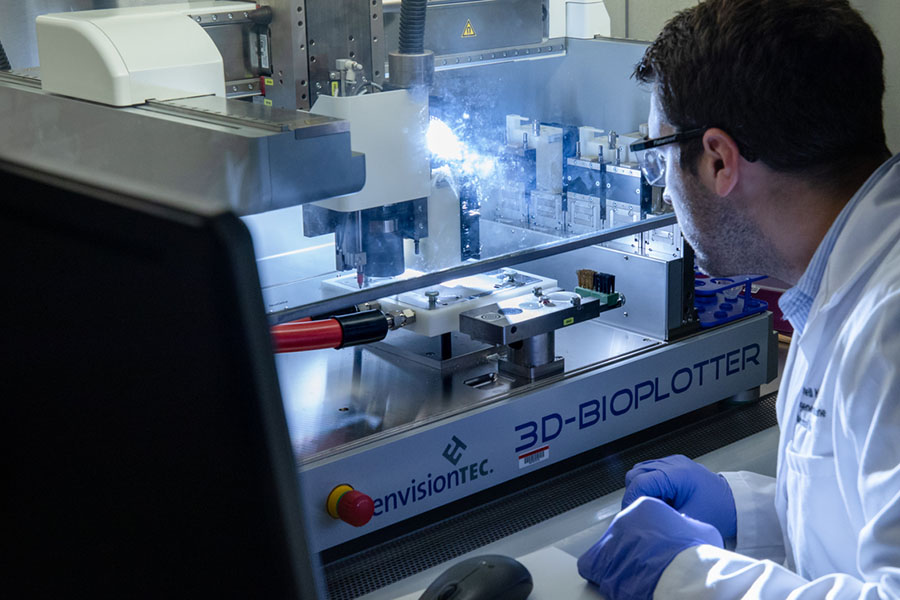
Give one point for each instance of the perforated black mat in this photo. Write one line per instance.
(381, 565)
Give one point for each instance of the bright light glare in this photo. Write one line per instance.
(483, 166)
(444, 144)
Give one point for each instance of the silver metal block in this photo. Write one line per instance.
(513, 205)
(250, 157)
(290, 55)
(546, 212)
(584, 215)
(411, 70)
(654, 287)
(352, 29)
(521, 318)
(533, 359)
(621, 213)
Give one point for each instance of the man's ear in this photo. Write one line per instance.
(720, 164)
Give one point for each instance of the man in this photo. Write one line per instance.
(766, 129)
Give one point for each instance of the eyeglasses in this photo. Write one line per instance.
(652, 161)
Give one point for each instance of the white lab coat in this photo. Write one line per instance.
(829, 524)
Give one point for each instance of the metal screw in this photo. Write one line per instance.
(215, 17)
(197, 19)
(608, 185)
(246, 14)
(230, 16)
(432, 296)
(637, 191)
(625, 313)
(234, 88)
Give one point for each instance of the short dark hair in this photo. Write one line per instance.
(797, 83)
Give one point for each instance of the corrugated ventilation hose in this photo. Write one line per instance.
(412, 26)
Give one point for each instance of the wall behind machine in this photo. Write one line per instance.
(643, 20)
(884, 16)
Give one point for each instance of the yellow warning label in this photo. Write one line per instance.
(267, 102)
(269, 81)
(469, 31)
(568, 321)
(334, 88)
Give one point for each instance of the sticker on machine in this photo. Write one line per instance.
(534, 457)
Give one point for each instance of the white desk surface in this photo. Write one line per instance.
(550, 549)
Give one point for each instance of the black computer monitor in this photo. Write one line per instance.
(148, 451)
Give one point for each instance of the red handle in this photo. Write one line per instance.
(307, 335)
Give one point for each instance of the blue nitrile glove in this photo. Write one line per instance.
(686, 486)
(641, 541)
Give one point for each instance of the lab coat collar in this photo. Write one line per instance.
(871, 230)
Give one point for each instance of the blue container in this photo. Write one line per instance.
(721, 300)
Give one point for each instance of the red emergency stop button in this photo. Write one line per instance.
(350, 506)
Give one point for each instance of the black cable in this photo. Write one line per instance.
(363, 327)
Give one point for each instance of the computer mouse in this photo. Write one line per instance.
(488, 577)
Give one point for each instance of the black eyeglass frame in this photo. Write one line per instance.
(680, 136)
(683, 136)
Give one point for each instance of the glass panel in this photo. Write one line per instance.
(525, 156)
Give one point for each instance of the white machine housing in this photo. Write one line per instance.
(389, 128)
(125, 57)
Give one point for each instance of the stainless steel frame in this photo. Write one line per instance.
(251, 157)
(377, 422)
(339, 401)
(309, 35)
(290, 56)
